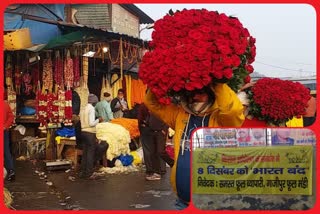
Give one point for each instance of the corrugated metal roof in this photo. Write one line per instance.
(107, 35)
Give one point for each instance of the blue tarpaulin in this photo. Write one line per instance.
(40, 32)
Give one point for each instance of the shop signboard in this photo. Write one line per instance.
(285, 136)
(229, 137)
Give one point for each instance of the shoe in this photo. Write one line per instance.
(82, 175)
(157, 175)
(153, 177)
(163, 172)
(11, 176)
(93, 176)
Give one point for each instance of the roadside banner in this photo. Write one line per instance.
(253, 170)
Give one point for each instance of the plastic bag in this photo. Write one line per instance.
(28, 111)
(136, 158)
(126, 160)
(66, 132)
(170, 151)
(140, 153)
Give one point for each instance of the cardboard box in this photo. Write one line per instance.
(17, 39)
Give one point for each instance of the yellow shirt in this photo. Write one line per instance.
(227, 111)
(295, 122)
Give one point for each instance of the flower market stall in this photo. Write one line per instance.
(40, 84)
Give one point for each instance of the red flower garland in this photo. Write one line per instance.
(68, 108)
(42, 109)
(58, 71)
(76, 71)
(194, 48)
(53, 107)
(276, 101)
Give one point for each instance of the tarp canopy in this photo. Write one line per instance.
(84, 34)
(40, 32)
(68, 39)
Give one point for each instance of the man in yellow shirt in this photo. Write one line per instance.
(214, 106)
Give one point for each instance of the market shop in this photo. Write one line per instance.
(41, 78)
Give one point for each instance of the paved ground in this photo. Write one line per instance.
(110, 192)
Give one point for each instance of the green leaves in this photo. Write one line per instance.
(171, 13)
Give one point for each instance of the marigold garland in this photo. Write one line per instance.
(130, 124)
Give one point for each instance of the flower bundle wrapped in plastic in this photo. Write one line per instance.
(276, 101)
(192, 49)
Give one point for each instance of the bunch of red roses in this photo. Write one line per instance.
(276, 101)
(192, 49)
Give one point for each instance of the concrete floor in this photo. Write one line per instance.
(109, 192)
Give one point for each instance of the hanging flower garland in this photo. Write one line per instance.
(27, 83)
(68, 108)
(192, 49)
(68, 71)
(53, 107)
(47, 76)
(18, 78)
(112, 48)
(41, 107)
(58, 70)
(276, 101)
(85, 69)
(76, 71)
(62, 105)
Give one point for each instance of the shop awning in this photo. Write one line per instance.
(68, 39)
(86, 34)
(102, 35)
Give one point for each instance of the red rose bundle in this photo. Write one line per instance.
(193, 48)
(276, 101)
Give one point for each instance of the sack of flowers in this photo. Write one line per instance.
(192, 49)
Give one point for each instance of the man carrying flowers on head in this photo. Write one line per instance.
(197, 58)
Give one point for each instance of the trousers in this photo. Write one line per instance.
(8, 160)
(92, 151)
(154, 151)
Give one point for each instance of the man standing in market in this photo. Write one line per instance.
(76, 103)
(91, 146)
(119, 105)
(153, 133)
(190, 75)
(8, 121)
(103, 108)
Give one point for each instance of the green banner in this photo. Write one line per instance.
(253, 170)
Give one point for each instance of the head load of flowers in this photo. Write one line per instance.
(191, 49)
(276, 101)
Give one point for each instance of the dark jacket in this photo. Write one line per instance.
(147, 119)
(75, 103)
